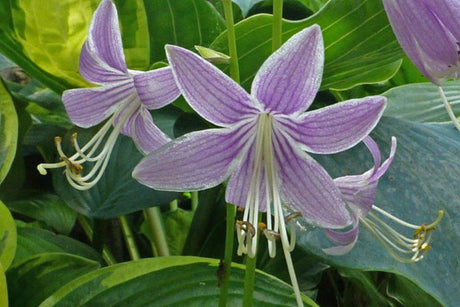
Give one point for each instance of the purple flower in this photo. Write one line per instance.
(429, 33)
(359, 193)
(124, 96)
(261, 145)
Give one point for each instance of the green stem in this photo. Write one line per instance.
(249, 281)
(233, 62)
(194, 200)
(153, 217)
(129, 238)
(229, 237)
(231, 209)
(106, 254)
(277, 24)
(173, 205)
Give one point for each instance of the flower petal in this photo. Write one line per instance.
(145, 134)
(156, 88)
(87, 107)
(289, 79)
(95, 70)
(195, 161)
(346, 240)
(307, 187)
(209, 91)
(104, 37)
(240, 182)
(335, 128)
(425, 41)
(448, 13)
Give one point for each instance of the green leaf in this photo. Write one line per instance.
(3, 288)
(116, 193)
(365, 282)
(8, 237)
(421, 102)
(51, 34)
(135, 33)
(184, 23)
(422, 179)
(34, 241)
(359, 43)
(42, 275)
(8, 132)
(168, 281)
(49, 209)
(409, 294)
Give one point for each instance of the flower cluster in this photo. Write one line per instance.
(263, 138)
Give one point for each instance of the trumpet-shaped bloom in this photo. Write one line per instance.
(429, 33)
(359, 193)
(264, 137)
(124, 96)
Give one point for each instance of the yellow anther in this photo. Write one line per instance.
(271, 234)
(292, 216)
(246, 227)
(73, 137)
(75, 168)
(261, 226)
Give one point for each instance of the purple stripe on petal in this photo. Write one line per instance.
(289, 79)
(87, 107)
(307, 187)
(145, 134)
(209, 91)
(104, 37)
(156, 88)
(335, 128)
(196, 161)
(240, 181)
(95, 70)
(426, 42)
(346, 240)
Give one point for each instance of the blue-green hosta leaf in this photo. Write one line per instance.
(116, 193)
(409, 294)
(422, 180)
(42, 275)
(8, 237)
(168, 281)
(49, 209)
(8, 132)
(34, 241)
(421, 102)
(359, 43)
(184, 23)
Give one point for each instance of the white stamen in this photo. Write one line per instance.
(449, 108)
(398, 245)
(88, 152)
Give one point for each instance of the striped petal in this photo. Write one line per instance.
(335, 128)
(210, 92)
(424, 39)
(307, 187)
(87, 107)
(289, 79)
(156, 88)
(346, 240)
(145, 134)
(238, 186)
(195, 161)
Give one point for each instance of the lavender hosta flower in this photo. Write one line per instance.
(429, 33)
(124, 96)
(359, 193)
(261, 145)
